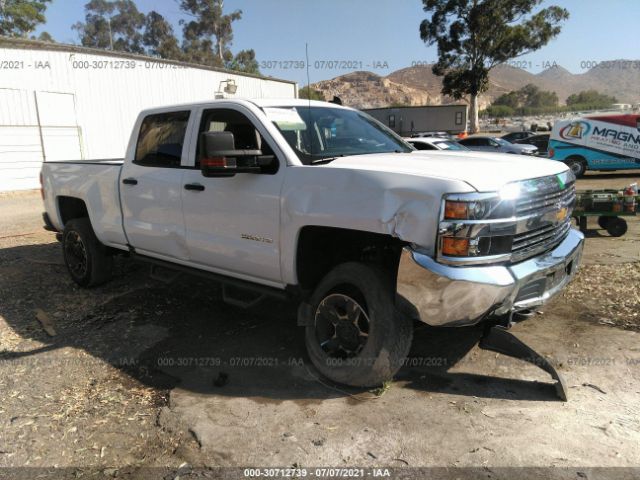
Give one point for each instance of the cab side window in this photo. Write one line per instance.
(161, 139)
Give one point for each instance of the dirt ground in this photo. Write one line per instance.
(138, 374)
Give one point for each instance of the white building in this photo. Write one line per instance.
(62, 102)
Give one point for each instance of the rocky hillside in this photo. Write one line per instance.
(419, 86)
(368, 90)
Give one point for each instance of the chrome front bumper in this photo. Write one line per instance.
(445, 295)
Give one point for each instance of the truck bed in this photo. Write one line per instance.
(97, 184)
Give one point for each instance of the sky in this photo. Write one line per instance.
(380, 36)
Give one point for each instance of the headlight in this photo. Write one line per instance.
(455, 210)
(481, 206)
(466, 227)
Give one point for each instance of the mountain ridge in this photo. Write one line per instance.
(419, 86)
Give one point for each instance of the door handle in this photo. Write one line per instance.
(196, 187)
(130, 181)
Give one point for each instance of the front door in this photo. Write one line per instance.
(151, 187)
(233, 223)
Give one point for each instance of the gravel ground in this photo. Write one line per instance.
(610, 293)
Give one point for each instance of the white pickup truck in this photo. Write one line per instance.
(322, 204)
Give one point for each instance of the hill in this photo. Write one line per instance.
(419, 86)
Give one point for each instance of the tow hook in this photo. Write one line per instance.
(496, 338)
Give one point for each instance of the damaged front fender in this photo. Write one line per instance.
(404, 206)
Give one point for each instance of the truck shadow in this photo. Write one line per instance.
(182, 334)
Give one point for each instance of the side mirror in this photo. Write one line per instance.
(221, 159)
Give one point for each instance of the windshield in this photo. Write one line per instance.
(502, 142)
(319, 134)
(448, 145)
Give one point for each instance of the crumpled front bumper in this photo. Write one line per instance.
(444, 295)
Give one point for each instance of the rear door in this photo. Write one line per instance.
(233, 223)
(151, 186)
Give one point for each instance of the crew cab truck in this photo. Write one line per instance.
(323, 204)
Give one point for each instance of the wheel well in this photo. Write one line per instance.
(320, 249)
(577, 157)
(70, 208)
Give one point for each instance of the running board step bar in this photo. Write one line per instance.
(241, 297)
(498, 339)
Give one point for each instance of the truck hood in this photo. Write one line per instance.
(486, 172)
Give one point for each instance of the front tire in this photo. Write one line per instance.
(355, 335)
(86, 258)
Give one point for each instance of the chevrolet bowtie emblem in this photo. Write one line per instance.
(561, 214)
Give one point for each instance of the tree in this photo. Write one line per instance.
(528, 96)
(96, 32)
(208, 36)
(197, 49)
(245, 61)
(590, 99)
(44, 37)
(18, 18)
(114, 25)
(498, 111)
(159, 38)
(311, 94)
(473, 36)
(511, 100)
(542, 99)
(127, 24)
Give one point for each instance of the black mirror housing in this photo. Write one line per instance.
(217, 144)
(221, 159)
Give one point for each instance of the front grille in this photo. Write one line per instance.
(546, 212)
(532, 204)
(531, 243)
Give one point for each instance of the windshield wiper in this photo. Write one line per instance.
(319, 161)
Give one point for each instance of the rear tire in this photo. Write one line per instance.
(577, 165)
(355, 335)
(86, 258)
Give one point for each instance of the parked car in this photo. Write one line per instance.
(435, 143)
(321, 204)
(514, 136)
(496, 144)
(540, 141)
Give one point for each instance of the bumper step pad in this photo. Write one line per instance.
(498, 339)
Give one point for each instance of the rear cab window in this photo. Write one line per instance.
(161, 139)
